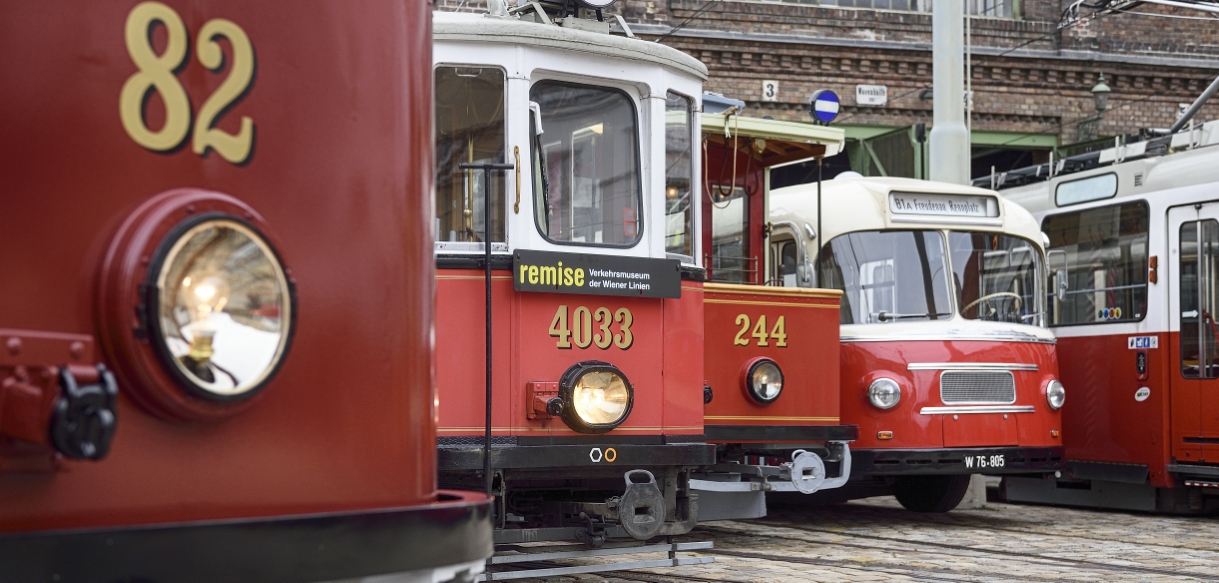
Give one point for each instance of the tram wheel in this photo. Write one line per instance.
(930, 493)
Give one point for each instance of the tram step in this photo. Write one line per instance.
(538, 564)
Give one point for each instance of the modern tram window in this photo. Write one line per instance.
(589, 153)
(996, 277)
(1199, 299)
(679, 167)
(1102, 252)
(729, 260)
(469, 128)
(888, 276)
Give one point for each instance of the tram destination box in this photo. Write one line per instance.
(606, 275)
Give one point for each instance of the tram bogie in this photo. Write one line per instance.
(1130, 230)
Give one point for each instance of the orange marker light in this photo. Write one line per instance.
(884, 435)
(1055, 433)
(1153, 263)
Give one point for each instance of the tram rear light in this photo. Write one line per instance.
(1055, 394)
(884, 393)
(595, 397)
(884, 435)
(1055, 433)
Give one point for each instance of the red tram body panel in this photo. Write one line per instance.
(197, 324)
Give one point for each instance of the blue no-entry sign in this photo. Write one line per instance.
(823, 106)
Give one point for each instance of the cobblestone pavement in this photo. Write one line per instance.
(877, 540)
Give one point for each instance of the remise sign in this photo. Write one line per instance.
(606, 275)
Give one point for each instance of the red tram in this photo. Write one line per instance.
(207, 370)
(596, 393)
(1133, 232)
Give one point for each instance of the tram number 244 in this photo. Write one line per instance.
(580, 331)
(759, 331)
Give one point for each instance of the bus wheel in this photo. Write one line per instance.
(930, 493)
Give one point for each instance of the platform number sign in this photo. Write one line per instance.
(770, 90)
(159, 74)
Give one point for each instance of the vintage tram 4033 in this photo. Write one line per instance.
(770, 349)
(594, 387)
(947, 366)
(1133, 232)
(207, 372)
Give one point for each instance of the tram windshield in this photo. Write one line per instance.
(996, 277)
(587, 165)
(888, 276)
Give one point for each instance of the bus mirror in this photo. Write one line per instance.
(1057, 259)
(804, 274)
(1060, 290)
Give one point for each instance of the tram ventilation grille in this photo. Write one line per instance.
(959, 387)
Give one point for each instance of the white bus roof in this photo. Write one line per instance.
(874, 204)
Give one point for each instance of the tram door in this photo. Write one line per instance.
(1194, 240)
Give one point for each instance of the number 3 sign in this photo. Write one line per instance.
(770, 90)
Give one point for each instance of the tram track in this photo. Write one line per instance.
(1026, 557)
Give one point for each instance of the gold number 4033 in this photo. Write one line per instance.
(157, 73)
(778, 333)
(581, 331)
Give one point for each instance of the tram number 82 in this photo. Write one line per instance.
(581, 332)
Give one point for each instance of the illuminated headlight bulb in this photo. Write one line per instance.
(596, 397)
(204, 296)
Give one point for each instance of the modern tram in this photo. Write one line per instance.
(1137, 337)
(208, 371)
(947, 366)
(594, 387)
(771, 351)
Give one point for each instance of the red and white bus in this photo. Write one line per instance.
(946, 364)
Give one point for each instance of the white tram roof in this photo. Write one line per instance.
(1165, 166)
(872, 204)
(482, 28)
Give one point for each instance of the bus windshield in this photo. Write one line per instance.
(888, 276)
(996, 277)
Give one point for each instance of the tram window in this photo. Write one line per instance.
(1086, 189)
(590, 150)
(888, 276)
(679, 212)
(1199, 299)
(469, 128)
(997, 277)
(1106, 264)
(729, 260)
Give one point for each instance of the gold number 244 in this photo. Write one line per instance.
(156, 73)
(778, 333)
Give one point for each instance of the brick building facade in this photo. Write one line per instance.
(1031, 82)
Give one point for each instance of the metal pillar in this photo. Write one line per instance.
(949, 138)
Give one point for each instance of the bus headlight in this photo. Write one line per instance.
(763, 380)
(884, 393)
(1055, 394)
(596, 397)
(223, 309)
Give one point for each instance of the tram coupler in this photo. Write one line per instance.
(641, 508)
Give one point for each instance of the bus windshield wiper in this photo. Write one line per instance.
(886, 316)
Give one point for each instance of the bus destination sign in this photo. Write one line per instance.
(586, 273)
(951, 205)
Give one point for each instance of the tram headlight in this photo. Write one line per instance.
(596, 396)
(1055, 394)
(223, 307)
(884, 393)
(763, 380)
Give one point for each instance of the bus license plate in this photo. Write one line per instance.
(984, 461)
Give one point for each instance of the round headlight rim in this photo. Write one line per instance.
(567, 384)
(150, 305)
(1049, 391)
(747, 379)
(872, 399)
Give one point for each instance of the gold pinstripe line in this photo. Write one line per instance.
(731, 418)
(791, 305)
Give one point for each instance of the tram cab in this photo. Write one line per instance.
(1132, 234)
(596, 315)
(947, 366)
(771, 356)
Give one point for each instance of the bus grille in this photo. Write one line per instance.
(977, 386)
